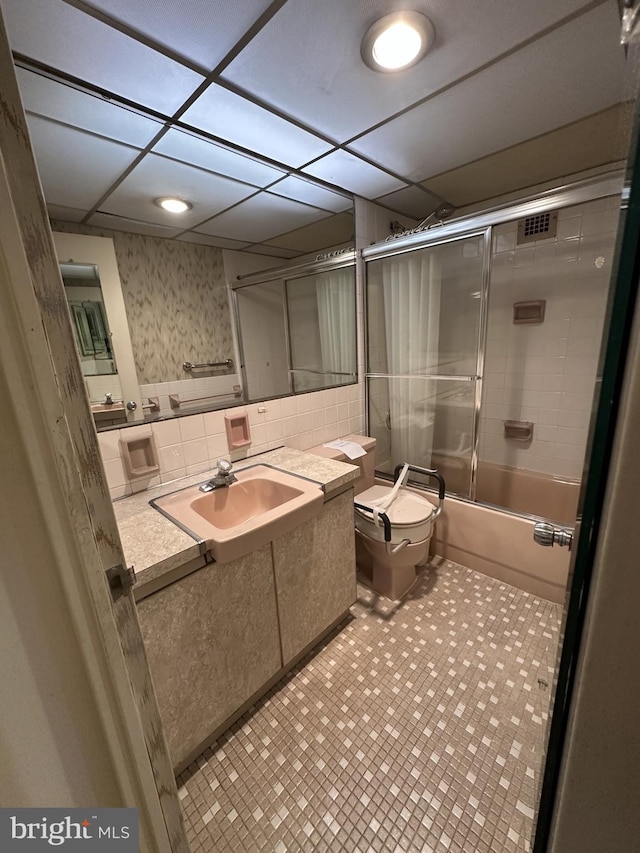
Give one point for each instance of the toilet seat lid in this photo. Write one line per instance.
(407, 509)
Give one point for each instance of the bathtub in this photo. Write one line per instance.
(518, 490)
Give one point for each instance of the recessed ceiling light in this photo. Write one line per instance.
(174, 205)
(397, 41)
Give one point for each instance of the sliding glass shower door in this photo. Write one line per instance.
(425, 313)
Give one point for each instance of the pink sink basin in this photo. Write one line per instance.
(234, 520)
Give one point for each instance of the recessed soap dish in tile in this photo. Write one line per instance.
(518, 430)
(529, 312)
(238, 431)
(139, 456)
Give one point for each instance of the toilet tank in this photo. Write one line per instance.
(366, 463)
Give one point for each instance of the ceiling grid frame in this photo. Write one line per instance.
(404, 198)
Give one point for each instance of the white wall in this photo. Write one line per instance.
(47, 708)
(261, 316)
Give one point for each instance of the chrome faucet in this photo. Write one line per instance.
(224, 477)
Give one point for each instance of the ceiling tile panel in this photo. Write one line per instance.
(208, 240)
(75, 168)
(571, 73)
(411, 202)
(51, 99)
(311, 193)
(66, 214)
(78, 44)
(271, 252)
(156, 177)
(325, 234)
(261, 217)
(122, 223)
(320, 78)
(597, 140)
(202, 32)
(200, 152)
(237, 120)
(352, 173)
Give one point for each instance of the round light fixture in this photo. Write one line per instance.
(174, 205)
(397, 41)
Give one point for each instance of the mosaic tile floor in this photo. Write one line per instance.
(417, 726)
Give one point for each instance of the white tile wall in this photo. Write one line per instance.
(194, 443)
(546, 373)
(188, 388)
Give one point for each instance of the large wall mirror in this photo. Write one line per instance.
(91, 278)
(156, 337)
(297, 328)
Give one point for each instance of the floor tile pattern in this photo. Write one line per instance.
(416, 726)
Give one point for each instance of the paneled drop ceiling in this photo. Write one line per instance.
(264, 116)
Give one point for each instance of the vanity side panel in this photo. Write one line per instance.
(315, 574)
(212, 641)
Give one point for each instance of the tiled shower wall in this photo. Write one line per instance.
(545, 373)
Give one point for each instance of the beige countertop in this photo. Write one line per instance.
(155, 545)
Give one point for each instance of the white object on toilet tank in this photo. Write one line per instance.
(350, 448)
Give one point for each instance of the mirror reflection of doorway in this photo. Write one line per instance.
(89, 319)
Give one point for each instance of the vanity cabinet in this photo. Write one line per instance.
(217, 638)
(314, 568)
(212, 641)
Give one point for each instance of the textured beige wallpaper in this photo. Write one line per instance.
(175, 296)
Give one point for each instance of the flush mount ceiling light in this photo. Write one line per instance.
(174, 205)
(397, 41)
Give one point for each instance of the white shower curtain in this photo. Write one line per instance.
(411, 289)
(337, 323)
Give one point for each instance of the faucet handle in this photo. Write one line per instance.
(224, 467)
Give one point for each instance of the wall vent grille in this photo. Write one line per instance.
(540, 226)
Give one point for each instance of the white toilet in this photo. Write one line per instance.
(386, 553)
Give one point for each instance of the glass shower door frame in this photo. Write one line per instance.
(431, 240)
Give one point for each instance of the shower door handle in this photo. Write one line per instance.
(546, 534)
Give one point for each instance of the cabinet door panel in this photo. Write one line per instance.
(212, 641)
(315, 574)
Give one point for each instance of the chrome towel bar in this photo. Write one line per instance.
(189, 365)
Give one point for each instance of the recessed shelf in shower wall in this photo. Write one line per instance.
(518, 430)
(529, 312)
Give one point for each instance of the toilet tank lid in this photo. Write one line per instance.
(327, 452)
(365, 441)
